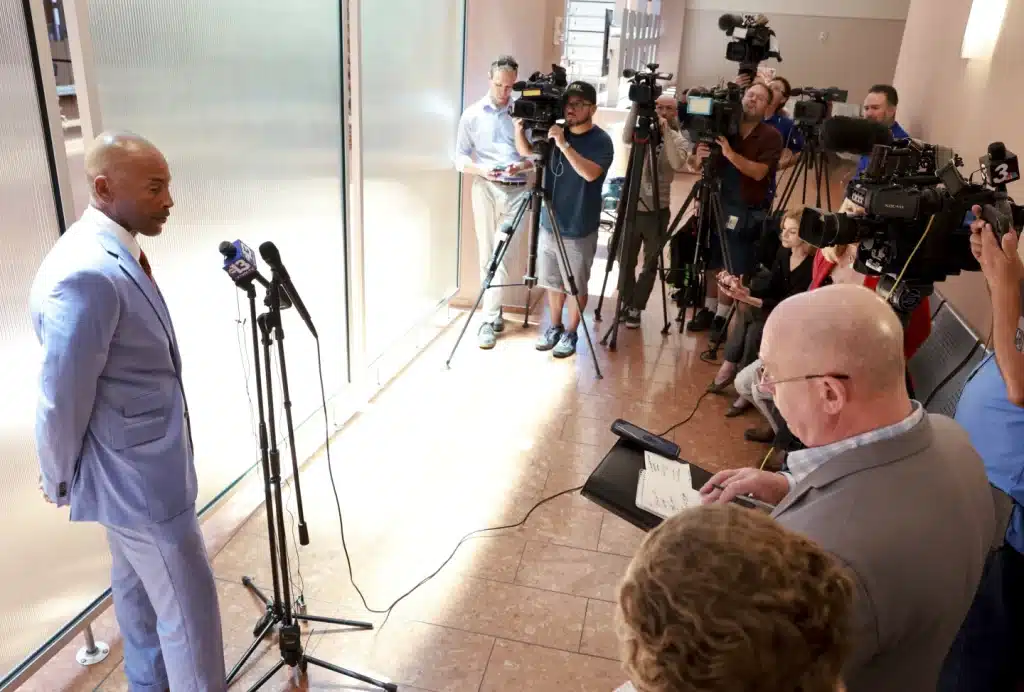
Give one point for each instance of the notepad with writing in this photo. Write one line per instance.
(665, 487)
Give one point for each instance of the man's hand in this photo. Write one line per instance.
(727, 150)
(742, 79)
(703, 151)
(663, 125)
(43, 491)
(725, 486)
(557, 133)
(517, 123)
(518, 167)
(848, 207)
(494, 173)
(999, 262)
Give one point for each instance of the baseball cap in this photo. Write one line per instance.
(584, 90)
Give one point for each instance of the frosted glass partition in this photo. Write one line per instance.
(411, 99)
(244, 98)
(50, 570)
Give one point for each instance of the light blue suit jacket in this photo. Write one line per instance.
(112, 425)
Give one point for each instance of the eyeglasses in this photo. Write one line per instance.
(765, 382)
(578, 104)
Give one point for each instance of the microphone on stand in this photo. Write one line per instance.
(271, 255)
(240, 264)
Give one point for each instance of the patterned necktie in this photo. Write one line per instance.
(144, 263)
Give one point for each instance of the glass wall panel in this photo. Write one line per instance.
(50, 570)
(244, 98)
(411, 99)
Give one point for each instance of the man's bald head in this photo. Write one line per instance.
(840, 330)
(667, 107)
(129, 181)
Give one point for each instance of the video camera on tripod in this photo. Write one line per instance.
(712, 113)
(816, 106)
(915, 200)
(542, 100)
(644, 89)
(753, 42)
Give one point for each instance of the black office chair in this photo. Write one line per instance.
(944, 399)
(950, 344)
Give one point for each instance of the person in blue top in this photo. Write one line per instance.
(880, 106)
(984, 656)
(777, 117)
(577, 167)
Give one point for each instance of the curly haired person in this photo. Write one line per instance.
(724, 599)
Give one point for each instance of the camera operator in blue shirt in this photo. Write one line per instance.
(776, 116)
(880, 106)
(984, 655)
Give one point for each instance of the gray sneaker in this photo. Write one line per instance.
(631, 318)
(498, 324)
(566, 345)
(549, 339)
(486, 337)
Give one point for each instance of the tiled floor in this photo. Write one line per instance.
(440, 453)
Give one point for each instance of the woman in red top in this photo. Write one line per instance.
(835, 265)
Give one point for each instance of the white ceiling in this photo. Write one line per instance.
(862, 9)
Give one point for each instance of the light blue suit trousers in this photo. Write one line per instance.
(165, 598)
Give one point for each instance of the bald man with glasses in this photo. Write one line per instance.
(897, 494)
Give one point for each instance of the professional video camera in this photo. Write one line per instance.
(712, 113)
(644, 89)
(542, 99)
(753, 42)
(816, 107)
(915, 202)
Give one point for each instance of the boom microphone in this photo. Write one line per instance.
(271, 255)
(854, 135)
(240, 264)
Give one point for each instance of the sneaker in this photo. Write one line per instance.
(549, 339)
(499, 324)
(486, 338)
(566, 345)
(717, 328)
(631, 318)
(701, 321)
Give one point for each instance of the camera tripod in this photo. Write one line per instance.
(279, 612)
(646, 141)
(537, 198)
(812, 157)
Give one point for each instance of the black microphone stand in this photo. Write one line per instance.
(279, 610)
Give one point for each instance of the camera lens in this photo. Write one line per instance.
(822, 229)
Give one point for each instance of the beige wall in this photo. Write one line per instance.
(856, 53)
(963, 104)
(523, 29)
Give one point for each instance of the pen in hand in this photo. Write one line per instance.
(749, 498)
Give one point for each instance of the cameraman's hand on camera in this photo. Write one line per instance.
(727, 150)
(742, 80)
(702, 152)
(999, 262)
(851, 209)
(761, 485)
(557, 133)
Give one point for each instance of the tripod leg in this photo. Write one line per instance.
(496, 259)
(266, 677)
(613, 243)
(251, 650)
(664, 292)
(564, 257)
(358, 624)
(384, 685)
(637, 155)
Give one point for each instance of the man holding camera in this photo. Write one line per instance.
(792, 140)
(574, 180)
(651, 222)
(751, 158)
(486, 149)
(984, 655)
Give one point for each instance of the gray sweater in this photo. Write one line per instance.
(671, 158)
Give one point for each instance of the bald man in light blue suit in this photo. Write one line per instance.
(112, 425)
